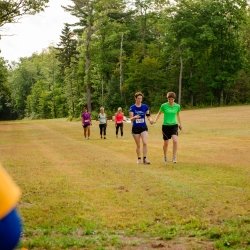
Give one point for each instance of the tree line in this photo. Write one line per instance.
(199, 49)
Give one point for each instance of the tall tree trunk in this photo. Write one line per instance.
(121, 65)
(180, 77)
(87, 79)
(221, 97)
(191, 94)
(192, 99)
(72, 97)
(142, 10)
(102, 91)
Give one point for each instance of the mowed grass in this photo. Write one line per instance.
(91, 194)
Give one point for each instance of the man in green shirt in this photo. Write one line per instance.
(171, 123)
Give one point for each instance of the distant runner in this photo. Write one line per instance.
(102, 118)
(119, 116)
(86, 122)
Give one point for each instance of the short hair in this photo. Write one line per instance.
(119, 109)
(138, 94)
(171, 95)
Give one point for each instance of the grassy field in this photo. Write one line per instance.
(91, 194)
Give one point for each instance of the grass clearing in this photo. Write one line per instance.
(90, 194)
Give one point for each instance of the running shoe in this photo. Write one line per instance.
(174, 160)
(139, 161)
(146, 162)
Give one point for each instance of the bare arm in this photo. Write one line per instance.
(150, 119)
(157, 116)
(179, 121)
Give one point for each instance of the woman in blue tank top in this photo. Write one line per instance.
(138, 113)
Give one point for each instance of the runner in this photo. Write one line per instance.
(119, 116)
(102, 118)
(138, 112)
(171, 123)
(86, 122)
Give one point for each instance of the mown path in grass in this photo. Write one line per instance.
(90, 194)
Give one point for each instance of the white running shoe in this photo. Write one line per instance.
(139, 161)
(174, 160)
(146, 162)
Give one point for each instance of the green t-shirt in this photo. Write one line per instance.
(170, 113)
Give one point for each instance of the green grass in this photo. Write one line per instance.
(90, 194)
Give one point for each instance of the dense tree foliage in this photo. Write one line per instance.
(198, 48)
(207, 35)
(10, 10)
(6, 110)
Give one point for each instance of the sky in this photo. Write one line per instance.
(34, 33)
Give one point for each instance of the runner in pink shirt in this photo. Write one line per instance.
(119, 116)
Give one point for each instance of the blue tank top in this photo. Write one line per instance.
(141, 111)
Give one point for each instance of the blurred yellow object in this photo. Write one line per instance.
(9, 193)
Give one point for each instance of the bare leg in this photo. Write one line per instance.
(144, 136)
(137, 138)
(175, 146)
(165, 148)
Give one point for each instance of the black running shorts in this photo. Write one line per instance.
(169, 130)
(139, 130)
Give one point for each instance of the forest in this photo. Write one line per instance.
(199, 49)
